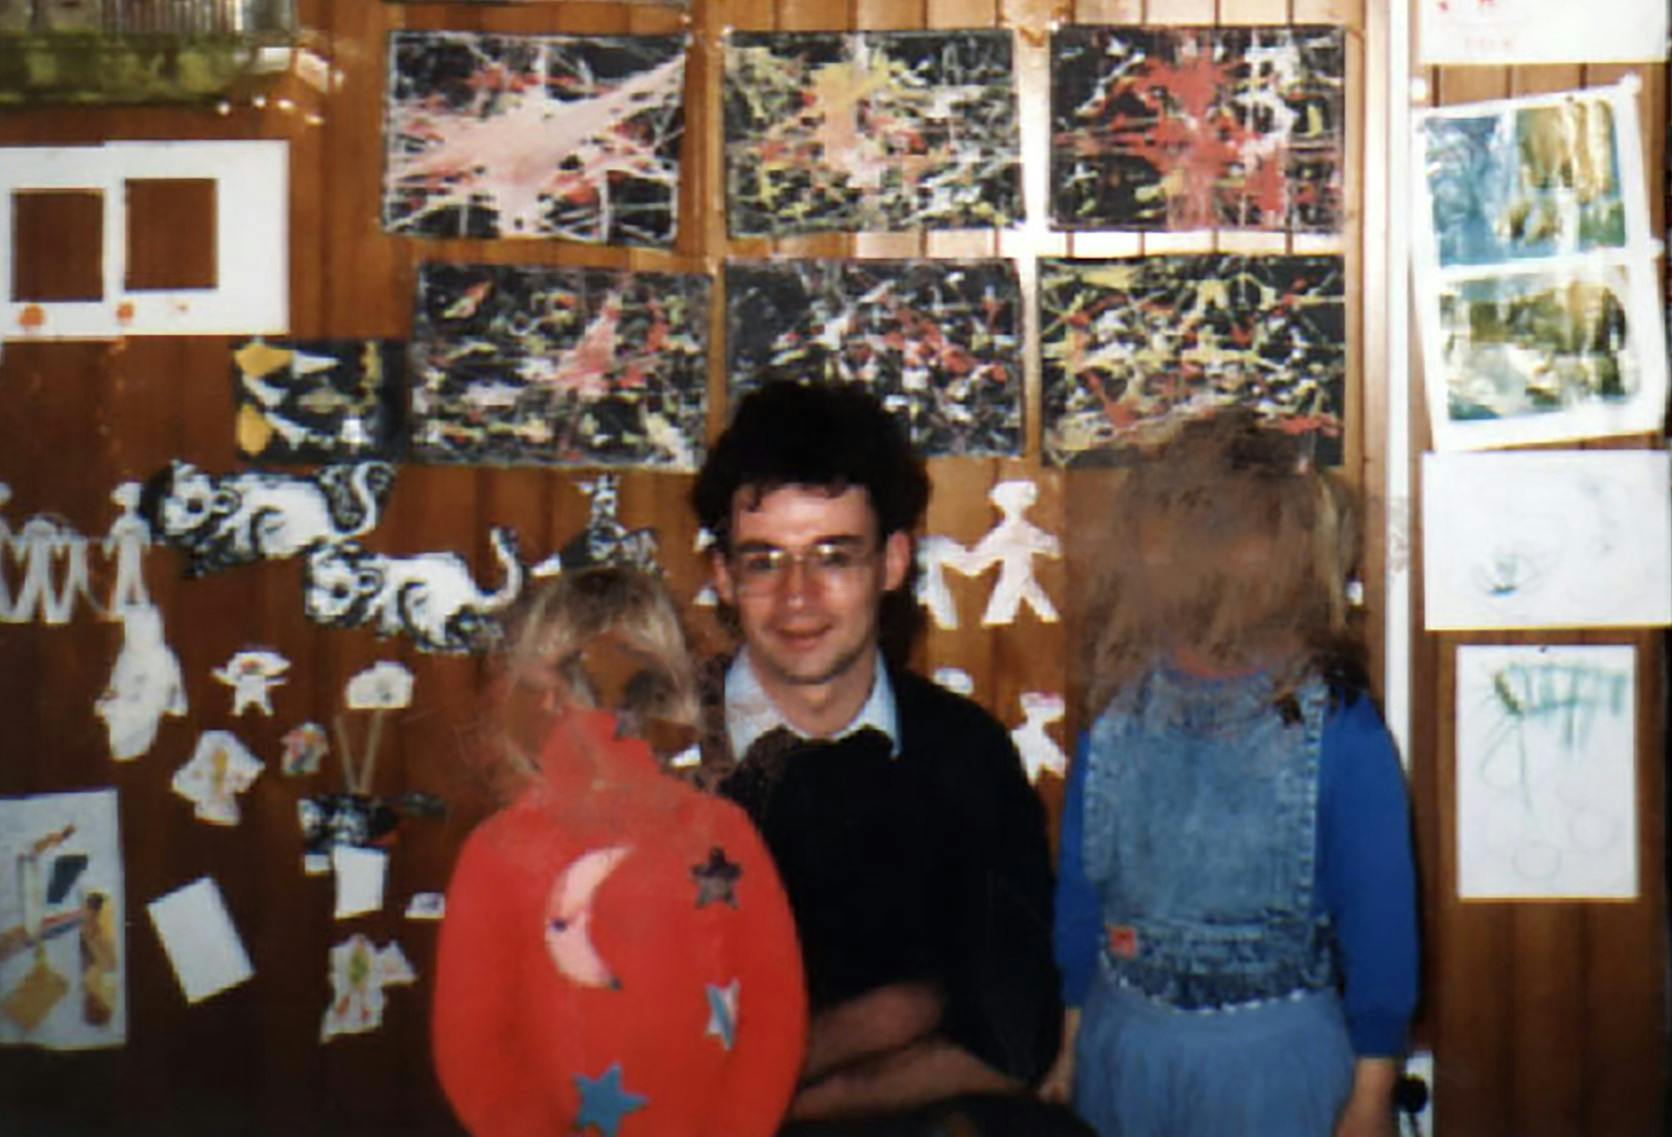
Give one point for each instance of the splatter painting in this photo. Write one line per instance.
(320, 400)
(554, 366)
(1197, 128)
(938, 341)
(1131, 348)
(870, 131)
(534, 136)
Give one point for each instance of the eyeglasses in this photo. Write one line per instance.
(759, 569)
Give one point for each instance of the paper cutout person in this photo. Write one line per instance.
(251, 674)
(935, 554)
(125, 543)
(706, 597)
(1039, 750)
(1012, 544)
(220, 768)
(145, 684)
(359, 972)
(36, 549)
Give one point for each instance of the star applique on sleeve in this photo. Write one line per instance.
(716, 879)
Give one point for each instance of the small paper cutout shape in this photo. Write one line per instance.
(1130, 349)
(62, 972)
(832, 131)
(49, 559)
(534, 136)
(431, 598)
(385, 685)
(125, 543)
(304, 747)
(252, 674)
(220, 769)
(1040, 752)
(145, 684)
(359, 971)
(936, 341)
(200, 940)
(359, 874)
(522, 365)
(426, 906)
(225, 520)
(1012, 544)
(1197, 128)
(320, 400)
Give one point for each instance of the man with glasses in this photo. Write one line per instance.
(910, 843)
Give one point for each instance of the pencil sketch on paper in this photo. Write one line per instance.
(1542, 539)
(1545, 772)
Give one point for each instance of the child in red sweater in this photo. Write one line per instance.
(618, 956)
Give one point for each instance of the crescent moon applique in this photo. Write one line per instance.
(569, 917)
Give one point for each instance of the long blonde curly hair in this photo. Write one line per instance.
(1223, 545)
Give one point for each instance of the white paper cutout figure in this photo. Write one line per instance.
(220, 769)
(5, 544)
(1040, 752)
(125, 543)
(935, 554)
(1012, 544)
(37, 548)
(706, 597)
(304, 747)
(252, 674)
(426, 906)
(955, 679)
(145, 684)
(359, 973)
(384, 686)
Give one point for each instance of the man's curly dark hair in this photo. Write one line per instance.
(830, 436)
(834, 436)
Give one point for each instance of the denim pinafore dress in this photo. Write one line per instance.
(1215, 1009)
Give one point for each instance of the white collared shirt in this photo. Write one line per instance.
(750, 711)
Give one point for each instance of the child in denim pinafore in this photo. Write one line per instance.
(1236, 902)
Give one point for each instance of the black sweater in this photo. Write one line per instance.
(931, 866)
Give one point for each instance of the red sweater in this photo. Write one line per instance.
(615, 918)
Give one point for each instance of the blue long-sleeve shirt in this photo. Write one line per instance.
(1366, 881)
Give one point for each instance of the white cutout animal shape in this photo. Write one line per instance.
(126, 542)
(145, 684)
(431, 597)
(1040, 752)
(223, 520)
(936, 554)
(1012, 544)
(252, 674)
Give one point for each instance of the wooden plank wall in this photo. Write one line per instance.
(1547, 1018)
(1509, 990)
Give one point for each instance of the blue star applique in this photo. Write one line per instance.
(604, 1103)
(722, 1012)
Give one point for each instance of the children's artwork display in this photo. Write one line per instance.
(145, 684)
(320, 400)
(63, 969)
(359, 970)
(496, 136)
(430, 597)
(522, 365)
(1546, 772)
(937, 341)
(221, 767)
(877, 130)
(252, 674)
(1547, 539)
(1198, 128)
(1537, 292)
(1131, 348)
(1485, 33)
(226, 520)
